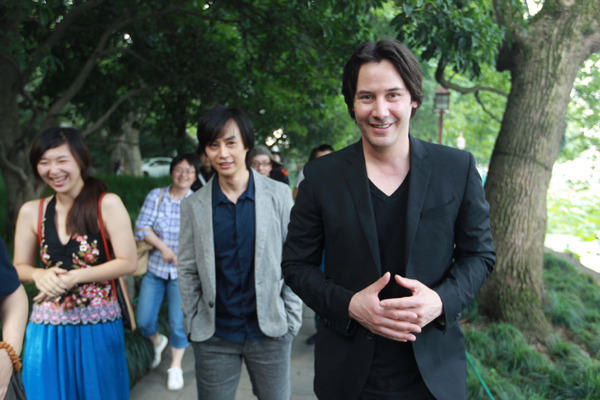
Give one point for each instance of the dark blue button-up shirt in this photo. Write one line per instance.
(234, 232)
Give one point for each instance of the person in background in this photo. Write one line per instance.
(316, 152)
(205, 172)
(279, 174)
(261, 159)
(14, 308)
(158, 225)
(117, 167)
(74, 346)
(405, 229)
(235, 304)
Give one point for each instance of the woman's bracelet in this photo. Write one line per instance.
(14, 357)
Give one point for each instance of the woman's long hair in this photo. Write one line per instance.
(83, 216)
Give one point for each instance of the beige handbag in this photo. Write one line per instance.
(143, 256)
(144, 249)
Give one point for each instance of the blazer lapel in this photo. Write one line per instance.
(420, 172)
(261, 202)
(204, 219)
(357, 182)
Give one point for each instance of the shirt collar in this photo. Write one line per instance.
(168, 196)
(219, 197)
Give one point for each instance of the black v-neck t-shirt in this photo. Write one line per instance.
(390, 220)
(394, 373)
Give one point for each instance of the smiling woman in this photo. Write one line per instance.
(57, 168)
(75, 319)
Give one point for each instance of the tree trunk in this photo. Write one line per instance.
(130, 147)
(17, 175)
(544, 65)
(18, 191)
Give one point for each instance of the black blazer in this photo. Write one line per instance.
(448, 248)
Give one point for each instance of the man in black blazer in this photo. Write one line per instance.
(404, 225)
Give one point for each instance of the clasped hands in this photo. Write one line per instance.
(397, 318)
(52, 283)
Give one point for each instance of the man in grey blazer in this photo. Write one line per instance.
(235, 303)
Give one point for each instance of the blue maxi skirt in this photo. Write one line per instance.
(75, 362)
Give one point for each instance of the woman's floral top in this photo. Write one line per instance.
(87, 303)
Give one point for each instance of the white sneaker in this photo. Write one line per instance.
(158, 351)
(175, 381)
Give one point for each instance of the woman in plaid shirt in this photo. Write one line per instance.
(158, 225)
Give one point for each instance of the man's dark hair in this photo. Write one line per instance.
(395, 52)
(320, 148)
(192, 159)
(215, 120)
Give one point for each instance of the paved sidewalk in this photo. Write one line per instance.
(154, 385)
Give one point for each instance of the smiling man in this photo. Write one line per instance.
(404, 226)
(234, 301)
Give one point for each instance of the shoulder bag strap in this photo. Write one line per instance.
(162, 192)
(39, 231)
(160, 197)
(101, 222)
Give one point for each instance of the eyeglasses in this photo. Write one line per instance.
(184, 171)
(256, 164)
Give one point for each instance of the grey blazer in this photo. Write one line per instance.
(279, 309)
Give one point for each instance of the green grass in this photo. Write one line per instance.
(567, 368)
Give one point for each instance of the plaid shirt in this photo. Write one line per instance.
(165, 223)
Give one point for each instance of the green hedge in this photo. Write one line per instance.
(133, 190)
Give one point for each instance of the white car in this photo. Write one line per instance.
(156, 166)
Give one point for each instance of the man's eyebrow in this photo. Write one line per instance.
(393, 89)
(231, 137)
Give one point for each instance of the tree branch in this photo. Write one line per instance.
(439, 76)
(80, 79)
(45, 48)
(593, 38)
(12, 63)
(5, 163)
(134, 54)
(507, 16)
(111, 110)
(441, 79)
(485, 110)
